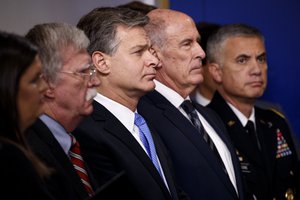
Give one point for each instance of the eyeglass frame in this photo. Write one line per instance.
(91, 74)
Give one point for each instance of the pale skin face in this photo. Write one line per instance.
(30, 95)
(243, 72)
(67, 101)
(181, 55)
(130, 70)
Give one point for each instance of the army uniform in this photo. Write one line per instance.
(270, 166)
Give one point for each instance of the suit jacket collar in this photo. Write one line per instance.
(186, 128)
(42, 131)
(116, 128)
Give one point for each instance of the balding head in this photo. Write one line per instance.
(164, 23)
(174, 39)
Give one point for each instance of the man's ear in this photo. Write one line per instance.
(215, 71)
(101, 62)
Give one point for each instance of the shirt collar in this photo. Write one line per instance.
(122, 113)
(243, 119)
(58, 132)
(172, 96)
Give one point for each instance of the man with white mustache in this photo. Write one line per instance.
(71, 81)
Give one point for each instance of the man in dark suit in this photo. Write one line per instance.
(68, 73)
(204, 161)
(262, 139)
(112, 138)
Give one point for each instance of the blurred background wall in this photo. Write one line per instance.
(277, 19)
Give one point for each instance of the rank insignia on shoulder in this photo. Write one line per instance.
(283, 148)
(231, 123)
(278, 113)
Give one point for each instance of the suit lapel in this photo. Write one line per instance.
(61, 158)
(116, 128)
(186, 128)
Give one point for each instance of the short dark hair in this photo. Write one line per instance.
(206, 29)
(100, 26)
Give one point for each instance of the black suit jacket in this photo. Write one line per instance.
(64, 183)
(109, 148)
(267, 177)
(196, 167)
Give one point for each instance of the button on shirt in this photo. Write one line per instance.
(126, 117)
(176, 100)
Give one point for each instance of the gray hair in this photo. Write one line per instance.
(100, 25)
(216, 41)
(52, 39)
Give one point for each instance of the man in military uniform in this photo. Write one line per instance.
(261, 137)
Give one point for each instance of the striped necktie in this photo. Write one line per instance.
(79, 165)
(193, 116)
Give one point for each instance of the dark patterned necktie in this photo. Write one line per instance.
(79, 165)
(193, 116)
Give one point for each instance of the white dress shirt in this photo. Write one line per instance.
(176, 100)
(243, 119)
(126, 117)
(199, 98)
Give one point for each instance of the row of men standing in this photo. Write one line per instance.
(142, 143)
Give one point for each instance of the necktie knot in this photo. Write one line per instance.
(250, 127)
(188, 107)
(138, 120)
(73, 141)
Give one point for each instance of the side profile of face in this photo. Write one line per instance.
(132, 66)
(181, 56)
(74, 89)
(30, 95)
(243, 70)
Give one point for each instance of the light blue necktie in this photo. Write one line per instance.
(146, 138)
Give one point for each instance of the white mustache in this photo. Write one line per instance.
(90, 94)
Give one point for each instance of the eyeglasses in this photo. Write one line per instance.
(89, 72)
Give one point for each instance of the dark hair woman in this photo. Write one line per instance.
(21, 92)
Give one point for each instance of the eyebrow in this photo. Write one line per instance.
(138, 47)
(189, 40)
(262, 54)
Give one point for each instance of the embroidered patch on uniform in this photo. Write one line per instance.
(283, 148)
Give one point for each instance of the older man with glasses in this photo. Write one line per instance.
(71, 79)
